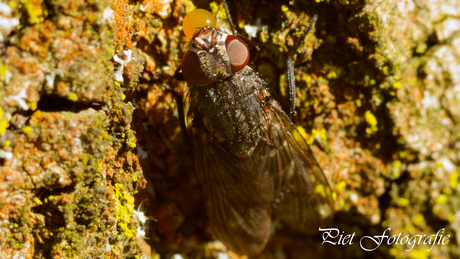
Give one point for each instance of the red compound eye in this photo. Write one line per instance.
(238, 52)
(191, 69)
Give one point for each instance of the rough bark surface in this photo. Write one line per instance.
(88, 119)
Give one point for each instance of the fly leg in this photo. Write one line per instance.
(179, 97)
(229, 17)
(290, 65)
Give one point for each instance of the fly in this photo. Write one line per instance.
(248, 162)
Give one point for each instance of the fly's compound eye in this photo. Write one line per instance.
(237, 51)
(197, 19)
(191, 69)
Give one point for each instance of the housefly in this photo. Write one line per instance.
(248, 155)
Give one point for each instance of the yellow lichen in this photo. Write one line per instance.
(341, 186)
(72, 97)
(34, 10)
(320, 189)
(317, 133)
(442, 199)
(3, 70)
(332, 75)
(420, 253)
(453, 180)
(396, 169)
(285, 9)
(372, 121)
(37, 201)
(26, 129)
(125, 209)
(403, 202)
(130, 139)
(4, 122)
(134, 177)
(334, 196)
(419, 220)
(100, 167)
(32, 106)
(214, 7)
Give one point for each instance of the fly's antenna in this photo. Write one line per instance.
(290, 65)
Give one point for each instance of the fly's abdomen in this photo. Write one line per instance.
(232, 111)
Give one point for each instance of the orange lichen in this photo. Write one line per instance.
(124, 23)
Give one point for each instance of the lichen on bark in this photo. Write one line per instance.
(68, 173)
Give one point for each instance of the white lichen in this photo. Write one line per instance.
(119, 73)
(447, 164)
(50, 80)
(8, 76)
(6, 26)
(252, 30)
(8, 23)
(447, 28)
(107, 15)
(221, 255)
(20, 99)
(108, 247)
(429, 100)
(140, 216)
(6, 155)
(5, 9)
(140, 232)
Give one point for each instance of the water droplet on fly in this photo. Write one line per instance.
(197, 19)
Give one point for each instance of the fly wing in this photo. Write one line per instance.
(241, 193)
(303, 197)
(238, 194)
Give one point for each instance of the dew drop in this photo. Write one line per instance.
(197, 19)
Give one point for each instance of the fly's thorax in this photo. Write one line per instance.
(232, 110)
(213, 56)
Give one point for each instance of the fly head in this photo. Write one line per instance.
(212, 56)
